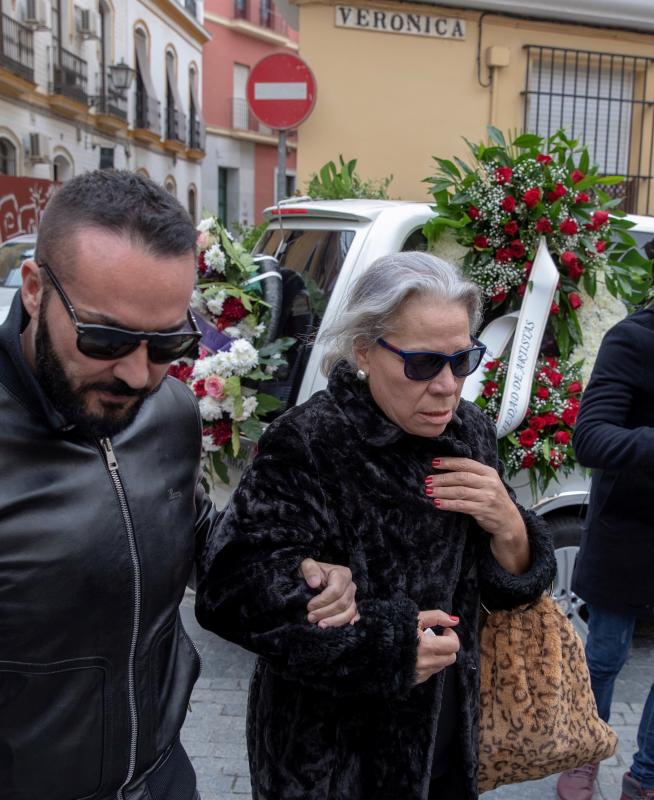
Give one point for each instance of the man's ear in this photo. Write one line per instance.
(32, 287)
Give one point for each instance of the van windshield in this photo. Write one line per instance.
(310, 261)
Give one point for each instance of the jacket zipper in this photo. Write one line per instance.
(112, 466)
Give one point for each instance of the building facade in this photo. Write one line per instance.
(240, 167)
(63, 108)
(411, 80)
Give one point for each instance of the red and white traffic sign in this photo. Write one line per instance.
(281, 91)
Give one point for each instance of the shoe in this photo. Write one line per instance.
(577, 783)
(634, 790)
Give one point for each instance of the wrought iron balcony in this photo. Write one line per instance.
(69, 75)
(191, 6)
(16, 48)
(111, 103)
(262, 13)
(196, 133)
(148, 112)
(175, 124)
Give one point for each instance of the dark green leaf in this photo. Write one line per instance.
(266, 403)
(496, 135)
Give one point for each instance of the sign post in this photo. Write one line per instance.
(281, 93)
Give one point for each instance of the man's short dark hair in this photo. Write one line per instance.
(118, 201)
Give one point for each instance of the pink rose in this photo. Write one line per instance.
(215, 387)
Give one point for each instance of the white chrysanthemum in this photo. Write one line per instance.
(215, 258)
(208, 445)
(249, 407)
(210, 408)
(449, 249)
(205, 225)
(215, 303)
(223, 364)
(596, 316)
(197, 301)
(202, 368)
(244, 357)
(245, 330)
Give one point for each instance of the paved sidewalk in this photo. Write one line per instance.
(214, 731)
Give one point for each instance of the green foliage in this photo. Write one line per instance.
(341, 182)
(248, 235)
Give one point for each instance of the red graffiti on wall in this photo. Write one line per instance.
(22, 201)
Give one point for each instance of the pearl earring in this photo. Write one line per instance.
(361, 375)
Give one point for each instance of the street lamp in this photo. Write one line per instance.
(121, 76)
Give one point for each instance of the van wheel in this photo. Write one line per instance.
(566, 534)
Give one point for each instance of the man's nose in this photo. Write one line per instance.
(134, 369)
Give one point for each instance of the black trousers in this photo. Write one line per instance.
(449, 786)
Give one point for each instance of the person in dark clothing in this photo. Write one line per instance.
(614, 568)
(389, 472)
(100, 507)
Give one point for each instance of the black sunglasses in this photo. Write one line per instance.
(424, 365)
(107, 343)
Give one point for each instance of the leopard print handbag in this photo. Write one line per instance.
(537, 711)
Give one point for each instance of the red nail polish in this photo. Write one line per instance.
(428, 479)
(453, 618)
(436, 502)
(435, 462)
(429, 491)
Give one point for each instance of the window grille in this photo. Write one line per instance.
(604, 100)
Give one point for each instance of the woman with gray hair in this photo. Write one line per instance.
(390, 473)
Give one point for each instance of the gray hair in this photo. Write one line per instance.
(379, 293)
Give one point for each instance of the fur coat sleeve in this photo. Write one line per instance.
(251, 592)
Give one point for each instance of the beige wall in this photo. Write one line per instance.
(393, 101)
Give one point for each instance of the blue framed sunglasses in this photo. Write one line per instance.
(421, 365)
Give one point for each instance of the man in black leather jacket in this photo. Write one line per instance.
(100, 517)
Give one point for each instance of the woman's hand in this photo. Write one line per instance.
(476, 489)
(335, 605)
(435, 652)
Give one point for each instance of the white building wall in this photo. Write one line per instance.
(79, 140)
(223, 151)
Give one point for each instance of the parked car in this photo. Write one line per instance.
(12, 254)
(321, 247)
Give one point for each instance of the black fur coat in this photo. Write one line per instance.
(335, 714)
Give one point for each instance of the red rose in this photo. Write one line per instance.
(503, 254)
(555, 459)
(473, 212)
(574, 387)
(492, 364)
(537, 423)
(555, 377)
(199, 390)
(180, 371)
(543, 392)
(575, 301)
(577, 175)
(503, 174)
(508, 204)
(569, 415)
(499, 296)
(558, 191)
(233, 311)
(202, 264)
(543, 159)
(600, 246)
(480, 242)
(562, 437)
(600, 218)
(220, 432)
(551, 418)
(554, 309)
(582, 197)
(543, 225)
(527, 438)
(528, 461)
(511, 228)
(569, 227)
(551, 361)
(531, 197)
(575, 271)
(517, 248)
(490, 389)
(521, 289)
(527, 267)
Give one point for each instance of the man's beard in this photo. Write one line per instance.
(69, 402)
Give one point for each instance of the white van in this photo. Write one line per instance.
(321, 247)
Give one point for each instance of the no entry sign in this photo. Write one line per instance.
(281, 91)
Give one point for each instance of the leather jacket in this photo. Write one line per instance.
(97, 541)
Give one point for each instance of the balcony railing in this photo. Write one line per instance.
(148, 112)
(17, 48)
(191, 6)
(261, 13)
(110, 103)
(70, 75)
(196, 133)
(175, 124)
